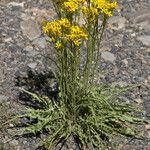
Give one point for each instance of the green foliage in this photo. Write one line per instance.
(97, 116)
(1, 146)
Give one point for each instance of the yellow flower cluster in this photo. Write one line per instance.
(72, 5)
(97, 7)
(90, 13)
(54, 30)
(61, 30)
(75, 35)
(104, 6)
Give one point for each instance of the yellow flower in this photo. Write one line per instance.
(65, 23)
(79, 1)
(52, 40)
(55, 28)
(90, 13)
(76, 34)
(104, 6)
(58, 45)
(72, 5)
(52, 28)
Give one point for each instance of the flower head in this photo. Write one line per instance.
(72, 5)
(90, 13)
(52, 28)
(104, 6)
(58, 45)
(64, 22)
(76, 34)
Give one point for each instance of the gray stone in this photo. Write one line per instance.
(16, 4)
(30, 29)
(32, 65)
(145, 39)
(2, 71)
(25, 16)
(117, 22)
(40, 42)
(28, 48)
(138, 100)
(107, 56)
(30, 51)
(142, 19)
(3, 98)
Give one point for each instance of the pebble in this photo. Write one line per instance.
(125, 61)
(2, 72)
(25, 16)
(108, 56)
(3, 98)
(145, 39)
(28, 48)
(40, 42)
(8, 39)
(16, 4)
(14, 142)
(32, 65)
(148, 129)
(11, 125)
(30, 51)
(139, 101)
(117, 22)
(30, 29)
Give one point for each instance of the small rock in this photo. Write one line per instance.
(14, 48)
(120, 83)
(40, 42)
(107, 56)
(90, 146)
(14, 142)
(28, 48)
(25, 142)
(142, 19)
(141, 16)
(3, 69)
(148, 129)
(8, 39)
(117, 22)
(32, 65)
(133, 34)
(138, 101)
(30, 29)
(145, 25)
(125, 61)
(3, 98)
(116, 70)
(16, 4)
(145, 39)
(11, 125)
(25, 16)
(148, 50)
(30, 51)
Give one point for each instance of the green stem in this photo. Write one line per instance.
(89, 56)
(98, 47)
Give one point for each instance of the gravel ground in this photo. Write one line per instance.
(125, 55)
